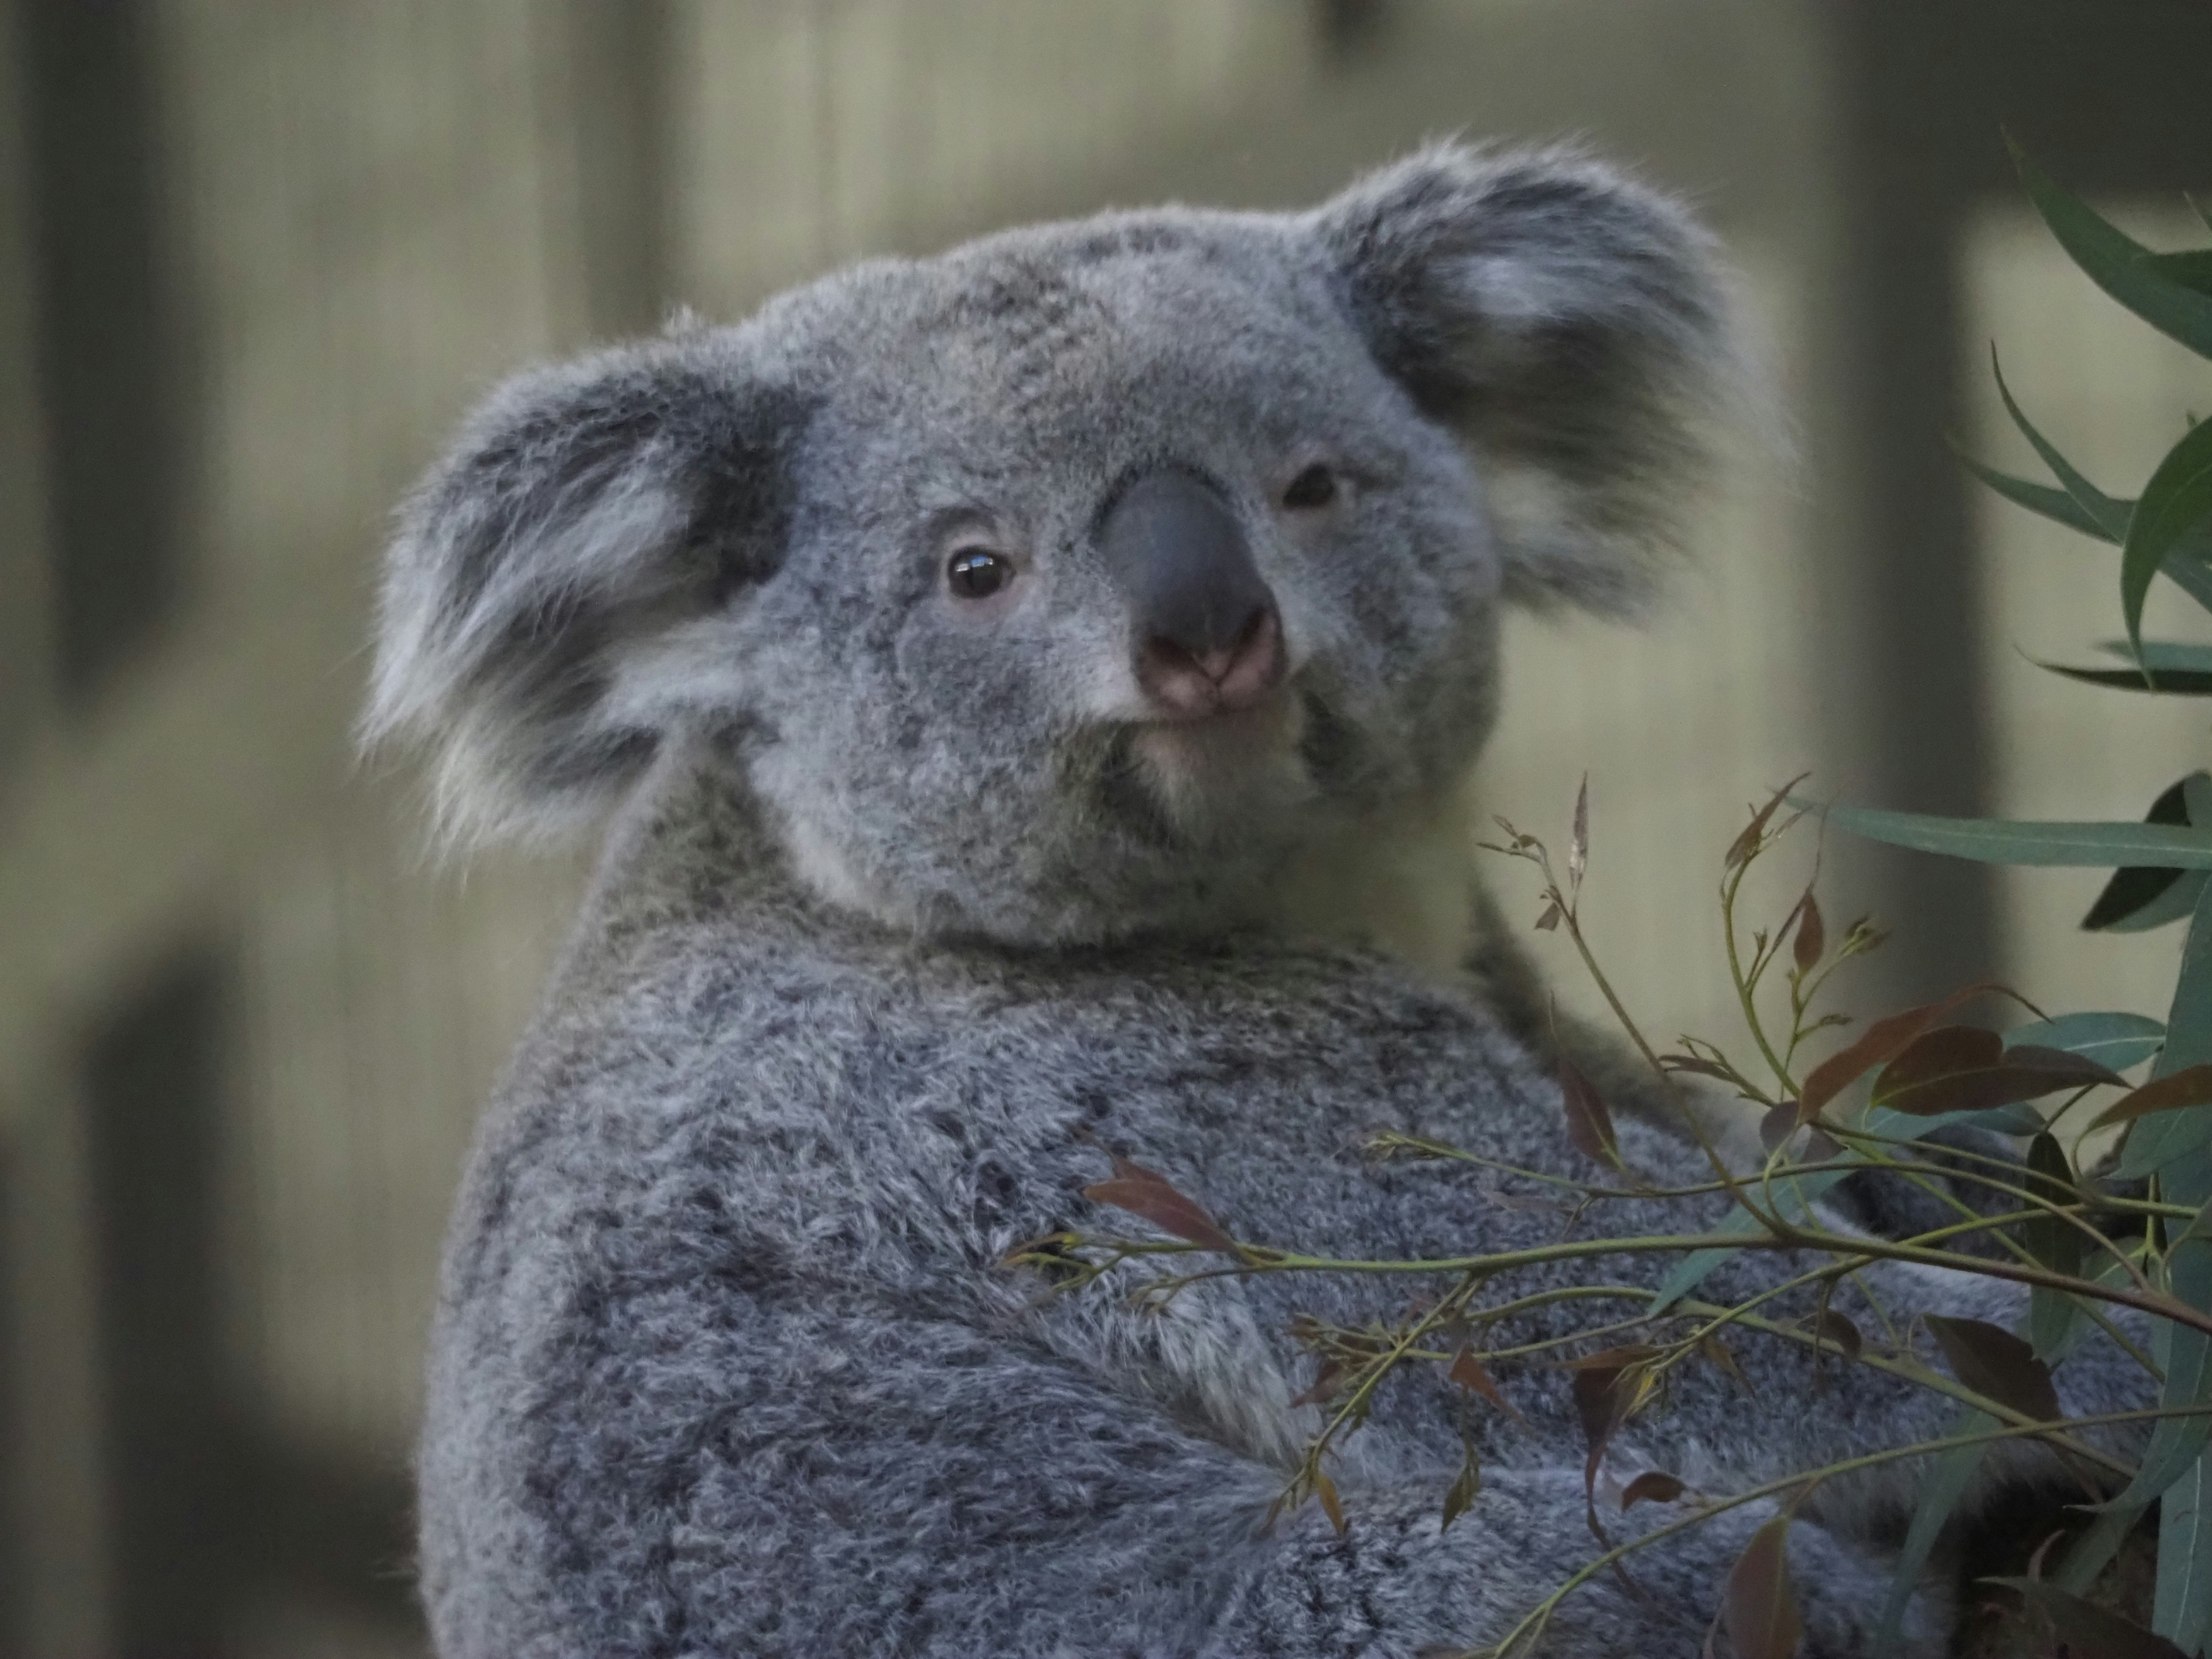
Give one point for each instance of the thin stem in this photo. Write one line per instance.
(1744, 985)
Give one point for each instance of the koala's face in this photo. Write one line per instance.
(1068, 583)
(1117, 565)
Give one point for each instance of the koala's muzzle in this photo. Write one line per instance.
(1206, 636)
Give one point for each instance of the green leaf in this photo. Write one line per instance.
(2117, 263)
(2192, 270)
(1996, 841)
(2175, 1444)
(2171, 682)
(2055, 1243)
(1793, 1196)
(2158, 654)
(2055, 504)
(2109, 516)
(2155, 1142)
(2190, 565)
(2182, 1604)
(2176, 1145)
(2138, 899)
(2171, 900)
(2115, 1040)
(1942, 1485)
(2189, 1020)
(2177, 500)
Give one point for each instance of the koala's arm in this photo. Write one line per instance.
(732, 1473)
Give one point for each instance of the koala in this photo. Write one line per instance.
(1029, 694)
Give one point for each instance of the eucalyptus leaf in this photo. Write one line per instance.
(2110, 516)
(2054, 504)
(2055, 1243)
(2139, 898)
(2117, 1040)
(2190, 270)
(1793, 1198)
(1942, 1484)
(2117, 263)
(2158, 654)
(2175, 502)
(2172, 1137)
(2182, 1604)
(1996, 841)
(2183, 1599)
(2170, 682)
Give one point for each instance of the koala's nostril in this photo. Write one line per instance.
(1205, 630)
(1232, 676)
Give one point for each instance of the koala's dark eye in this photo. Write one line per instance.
(1315, 487)
(977, 573)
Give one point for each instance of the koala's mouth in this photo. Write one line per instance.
(1202, 771)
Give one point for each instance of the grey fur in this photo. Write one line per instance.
(911, 918)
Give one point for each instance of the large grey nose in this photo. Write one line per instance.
(1207, 636)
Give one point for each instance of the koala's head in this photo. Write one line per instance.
(1069, 583)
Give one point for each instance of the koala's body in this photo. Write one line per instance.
(1034, 680)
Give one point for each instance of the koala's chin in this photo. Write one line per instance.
(1229, 773)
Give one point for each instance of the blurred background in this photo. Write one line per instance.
(254, 260)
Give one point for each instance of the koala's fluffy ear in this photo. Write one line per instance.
(562, 588)
(1571, 324)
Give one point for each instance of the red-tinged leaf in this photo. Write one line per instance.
(1812, 941)
(2189, 1086)
(1608, 1388)
(1151, 1195)
(1472, 1375)
(1716, 1353)
(1549, 920)
(1760, 1607)
(1879, 1044)
(1748, 843)
(1832, 1329)
(1589, 1125)
(1331, 1506)
(1578, 842)
(1326, 1381)
(1964, 1068)
(1993, 1362)
(2086, 1631)
(1462, 1492)
(1652, 1485)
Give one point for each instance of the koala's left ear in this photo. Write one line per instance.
(567, 587)
(1570, 325)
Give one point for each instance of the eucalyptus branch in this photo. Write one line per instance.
(1256, 1259)
(1532, 1626)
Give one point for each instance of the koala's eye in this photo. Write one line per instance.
(1315, 487)
(977, 573)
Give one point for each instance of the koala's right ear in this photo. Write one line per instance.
(563, 585)
(1570, 325)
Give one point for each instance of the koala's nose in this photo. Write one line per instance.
(1206, 636)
